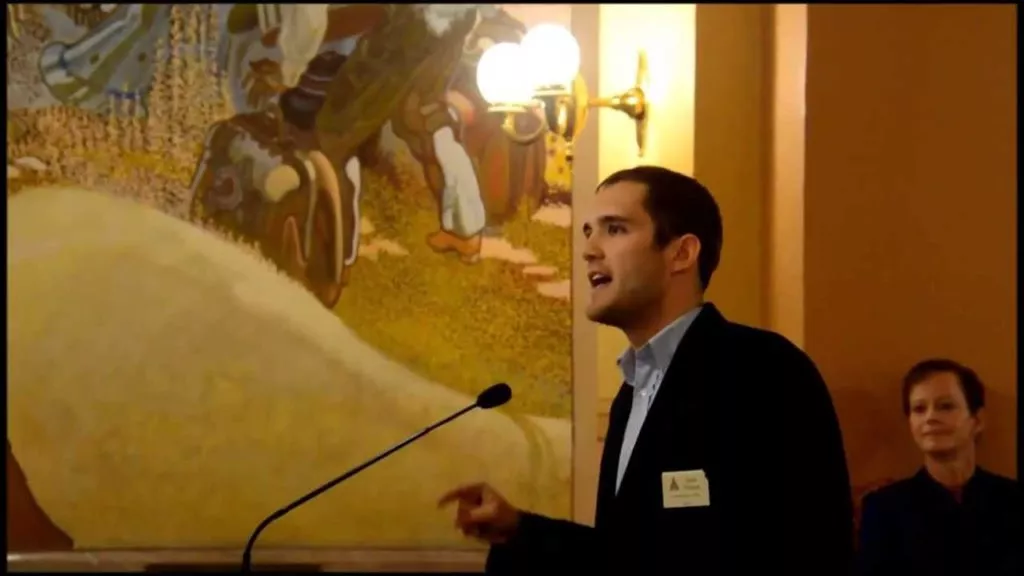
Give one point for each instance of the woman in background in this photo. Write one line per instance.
(952, 517)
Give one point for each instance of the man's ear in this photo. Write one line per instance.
(684, 252)
(979, 421)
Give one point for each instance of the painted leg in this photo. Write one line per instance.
(462, 209)
(351, 187)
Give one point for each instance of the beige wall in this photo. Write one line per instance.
(910, 213)
(587, 422)
(784, 204)
(731, 155)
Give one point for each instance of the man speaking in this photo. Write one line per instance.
(723, 453)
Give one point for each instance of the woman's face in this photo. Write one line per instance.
(940, 420)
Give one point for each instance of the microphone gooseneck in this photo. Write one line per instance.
(492, 397)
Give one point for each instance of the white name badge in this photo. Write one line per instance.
(685, 489)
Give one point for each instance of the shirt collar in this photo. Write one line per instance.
(970, 487)
(658, 351)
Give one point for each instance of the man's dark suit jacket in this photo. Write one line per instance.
(748, 408)
(915, 526)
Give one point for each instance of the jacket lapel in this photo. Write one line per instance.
(617, 417)
(678, 415)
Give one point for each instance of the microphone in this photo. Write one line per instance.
(492, 397)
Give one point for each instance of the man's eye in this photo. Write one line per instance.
(615, 229)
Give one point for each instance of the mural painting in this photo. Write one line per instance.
(249, 246)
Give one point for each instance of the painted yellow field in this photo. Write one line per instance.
(146, 352)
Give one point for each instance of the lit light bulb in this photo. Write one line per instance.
(499, 75)
(552, 56)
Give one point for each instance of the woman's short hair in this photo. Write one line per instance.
(970, 384)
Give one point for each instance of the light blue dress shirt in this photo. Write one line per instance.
(643, 369)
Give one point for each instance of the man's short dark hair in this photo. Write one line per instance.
(970, 384)
(679, 205)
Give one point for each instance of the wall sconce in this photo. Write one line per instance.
(541, 75)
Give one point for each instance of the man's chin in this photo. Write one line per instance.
(601, 315)
(940, 449)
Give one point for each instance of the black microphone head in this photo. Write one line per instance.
(494, 396)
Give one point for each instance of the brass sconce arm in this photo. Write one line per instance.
(565, 109)
(633, 103)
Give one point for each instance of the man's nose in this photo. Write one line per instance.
(590, 251)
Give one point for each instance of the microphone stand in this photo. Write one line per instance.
(247, 554)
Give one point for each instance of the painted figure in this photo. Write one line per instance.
(398, 70)
(114, 58)
(312, 87)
